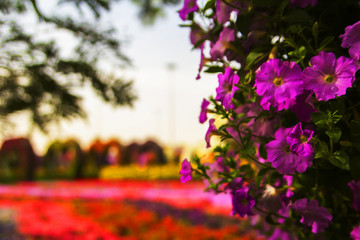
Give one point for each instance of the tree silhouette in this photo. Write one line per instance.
(35, 77)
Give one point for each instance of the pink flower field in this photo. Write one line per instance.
(117, 210)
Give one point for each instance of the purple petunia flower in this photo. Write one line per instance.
(226, 89)
(351, 40)
(214, 169)
(234, 185)
(186, 171)
(226, 36)
(317, 217)
(279, 82)
(355, 187)
(282, 158)
(279, 234)
(223, 10)
(329, 77)
(355, 234)
(261, 126)
(242, 202)
(303, 3)
(203, 117)
(196, 33)
(298, 140)
(189, 7)
(303, 106)
(212, 128)
(203, 60)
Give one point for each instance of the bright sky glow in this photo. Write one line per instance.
(169, 101)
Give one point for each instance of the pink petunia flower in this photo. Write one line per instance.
(226, 89)
(189, 7)
(314, 216)
(355, 234)
(299, 141)
(279, 234)
(186, 171)
(303, 106)
(226, 36)
(203, 114)
(282, 158)
(329, 77)
(223, 10)
(355, 187)
(212, 128)
(242, 202)
(351, 40)
(278, 82)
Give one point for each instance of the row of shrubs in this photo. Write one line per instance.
(67, 160)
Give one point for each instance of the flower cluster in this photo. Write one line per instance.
(288, 100)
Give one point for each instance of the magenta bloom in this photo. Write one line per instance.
(299, 141)
(242, 202)
(303, 3)
(314, 216)
(202, 61)
(279, 83)
(203, 117)
(226, 36)
(279, 234)
(351, 40)
(215, 168)
(329, 77)
(282, 158)
(261, 126)
(212, 128)
(189, 7)
(226, 89)
(355, 234)
(196, 33)
(355, 187)
(223, 10)
(186, 171)
(303, 106)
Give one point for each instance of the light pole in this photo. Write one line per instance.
(171, 103)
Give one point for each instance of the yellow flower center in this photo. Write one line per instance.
(244, 201)
(329, 78)
(278, 81)
(287, 149)
(303, 139)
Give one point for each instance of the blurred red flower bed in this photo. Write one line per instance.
(119, 210)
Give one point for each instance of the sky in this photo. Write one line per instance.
(168, 104)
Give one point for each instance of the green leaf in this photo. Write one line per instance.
(223, 127)
(341, 160)
(270, 221)
(315, 29)
(214, 69)
(245, 168)
(319, 119)
(261, 175)
(209, 4)
(322, 150)
(334, 134)
(252, 56)
(248, 151)
(325, 42)
(262, 150)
